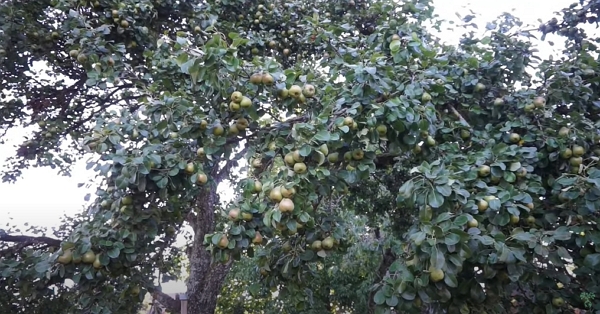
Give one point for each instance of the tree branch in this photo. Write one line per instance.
(172, 305)
(27, 240)
(387, 259)
(459, 116)
(386, 159)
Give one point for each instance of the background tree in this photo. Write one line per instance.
(493, 168)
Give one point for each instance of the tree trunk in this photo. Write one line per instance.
(386, 262)
(206, 279)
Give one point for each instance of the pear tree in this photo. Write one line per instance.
(492, 165)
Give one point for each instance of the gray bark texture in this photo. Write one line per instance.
(206, 279)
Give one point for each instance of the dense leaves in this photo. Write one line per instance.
(475, 165)
(340, 282)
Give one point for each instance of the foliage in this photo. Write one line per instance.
(340, 282)
(493, 169)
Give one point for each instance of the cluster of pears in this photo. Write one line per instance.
(190, 168)
(258, 13)
(573, 154)
(239, 101)
(352, 155)
(296, 161)
(235, 215)
(325, 244)
(350, 123)
(295, 91)
(79, 56)
(283, 197)
(88, 258)
(538, 103)
(262, 78)
(123, 23)
(298, 93)
(483, 205)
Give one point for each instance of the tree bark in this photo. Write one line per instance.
(386, 262)
(206, 279)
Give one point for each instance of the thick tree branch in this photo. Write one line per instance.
(27, 239)
(386, 262)
(386, 159)
(229, 163)
(172, 305)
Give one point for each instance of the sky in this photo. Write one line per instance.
(41, 197)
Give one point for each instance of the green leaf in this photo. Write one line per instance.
(435, 199)
(235, 230)
(450, 280)
(444, 190)
(476, 292)
(515, 166)
(407, 188)
(392, 301)
(181, 59)
(562, 252)
(592, 260)
(562, 233)
(254, 289)
(162, 182)
(292, 225)
(379, 297)
(216, 238)
(322, 136)
(418, 237)
(395, 46)
(307, 255)
(114, 252)
(42, 267)
(495, 204)
(348, 176)
(452, 239)
(437, 259)
(276, 216)
(409, 295)
(461, 220)
(76, 277)
(487, 240)
(510, 177)
(425, 214)
(305, 150)
(524, 236)
(442, 217)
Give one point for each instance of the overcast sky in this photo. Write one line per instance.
(40, 197)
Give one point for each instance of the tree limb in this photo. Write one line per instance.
(459, 116)
(386, 159)
(387, 259)
(172, 305)
(27, 240)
